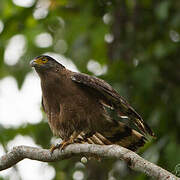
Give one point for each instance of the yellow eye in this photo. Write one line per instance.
(44, 60)
(41, 60)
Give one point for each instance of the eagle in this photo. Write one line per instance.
(85, 109)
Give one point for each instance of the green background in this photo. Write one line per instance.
(143, 63)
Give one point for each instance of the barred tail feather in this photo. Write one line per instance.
(144, 127)
(137, 120)
(121, 134)
(125, 136)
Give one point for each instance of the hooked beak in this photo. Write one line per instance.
(33, 63)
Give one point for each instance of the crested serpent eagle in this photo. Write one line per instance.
(85, 109)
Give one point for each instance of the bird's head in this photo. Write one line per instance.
(44, 63)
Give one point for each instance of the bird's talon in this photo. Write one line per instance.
(63, 145)
(59, 146)
(53, 147)
(62, 150)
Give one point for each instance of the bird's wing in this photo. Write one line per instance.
(112, 99)
(44, 105)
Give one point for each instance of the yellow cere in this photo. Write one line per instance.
(41, 60)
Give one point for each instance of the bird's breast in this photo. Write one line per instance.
(69, 107)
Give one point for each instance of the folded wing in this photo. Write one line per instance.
(110, 98)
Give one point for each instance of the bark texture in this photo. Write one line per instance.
(133, 160)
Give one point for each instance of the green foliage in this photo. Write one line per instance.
(143, 66)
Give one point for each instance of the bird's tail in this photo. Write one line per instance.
(144, 127)
(136, 118)
(125, 136)
(121, 134)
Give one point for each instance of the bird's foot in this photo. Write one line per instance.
(53, 147)
(65, 143)
(73, 139)
(61, 145)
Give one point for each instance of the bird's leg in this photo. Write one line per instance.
(64, 143)
(71, 140)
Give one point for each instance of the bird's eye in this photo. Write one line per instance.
(43, 59)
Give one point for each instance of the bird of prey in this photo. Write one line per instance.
(85, 109)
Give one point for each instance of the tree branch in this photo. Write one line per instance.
(133, 160)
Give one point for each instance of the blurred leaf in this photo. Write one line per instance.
(142, 31)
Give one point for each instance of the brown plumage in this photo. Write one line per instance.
(86, 109)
